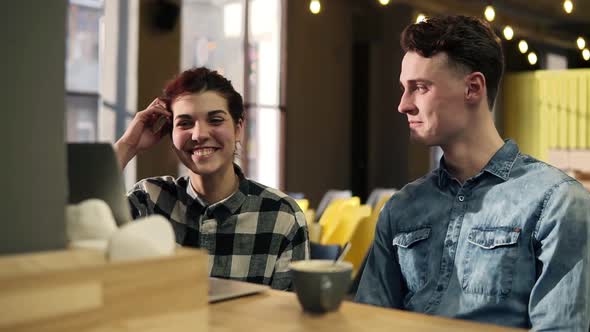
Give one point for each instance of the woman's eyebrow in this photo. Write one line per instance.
(210, 113)
(215, 112)
(182, 116)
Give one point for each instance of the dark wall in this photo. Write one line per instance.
(326, 90)
(393, 159)
(318, 97)
(159, 60)
(33, 96)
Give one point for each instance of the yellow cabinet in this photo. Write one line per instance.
(547, 109)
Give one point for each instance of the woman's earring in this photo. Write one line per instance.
(237, 148)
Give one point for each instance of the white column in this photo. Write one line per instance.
(118, 81)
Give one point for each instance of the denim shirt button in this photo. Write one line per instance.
(439, 288)
(461, 198)
(448, 243)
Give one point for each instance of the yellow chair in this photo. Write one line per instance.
(314, 229)
(303, 204)
(363, 236)
(347, 222)
(335, 207)
(328, 197)
(309, 216)
(329, 219)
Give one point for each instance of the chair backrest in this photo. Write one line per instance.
(330, 219)
(334, 209)
(378, 193)
(356, 278)
(319, 251)
(328, 197)
(363, 237)
(314, 229)
(346, 224)
(303, 204)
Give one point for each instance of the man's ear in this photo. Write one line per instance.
(475, 88)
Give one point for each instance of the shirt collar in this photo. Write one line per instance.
(444, 177)
(499, 165)
(228, 206)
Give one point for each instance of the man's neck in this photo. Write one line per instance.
(468, 155)
(215, 187)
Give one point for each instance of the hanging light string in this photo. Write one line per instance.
(568, 6)
(489, 13)
(315, 6)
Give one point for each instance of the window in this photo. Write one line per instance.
(82, 70)
(213, 35)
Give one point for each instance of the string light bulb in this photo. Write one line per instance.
(420, 18)
(489, 13)
(523, 46)
(384, 2)
(315, 6)
(568, 6)
(581, 43)
(532, 58)
(508, 32)
(586, 54)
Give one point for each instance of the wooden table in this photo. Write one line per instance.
(77, 290)
(280, 311)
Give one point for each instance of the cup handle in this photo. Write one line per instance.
(326, 291)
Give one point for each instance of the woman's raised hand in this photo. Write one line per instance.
(145, 130)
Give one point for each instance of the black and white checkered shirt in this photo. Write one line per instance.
(251, 236)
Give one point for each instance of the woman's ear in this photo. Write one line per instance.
(240, 130)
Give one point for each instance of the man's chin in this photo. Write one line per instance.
(422, 140)
(416, 138)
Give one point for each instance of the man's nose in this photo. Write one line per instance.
(406, 104)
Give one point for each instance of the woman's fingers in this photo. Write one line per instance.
(154, 102)
(155, 110)
(159, 124)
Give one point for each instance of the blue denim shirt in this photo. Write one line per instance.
(508, 247)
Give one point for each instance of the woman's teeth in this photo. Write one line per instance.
(203, 152)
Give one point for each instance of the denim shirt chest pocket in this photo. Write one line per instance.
(412, 254)
(490, 260)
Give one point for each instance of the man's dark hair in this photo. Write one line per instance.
(469, 42)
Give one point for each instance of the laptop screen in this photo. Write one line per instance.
(94, 172)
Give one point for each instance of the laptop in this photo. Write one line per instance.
(93, 172)
(224, 289)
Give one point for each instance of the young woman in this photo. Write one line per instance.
(252, 232)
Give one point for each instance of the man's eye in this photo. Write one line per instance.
(421, 88)
(183, 124)
(216, 120)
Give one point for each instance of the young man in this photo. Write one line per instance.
(492, 235)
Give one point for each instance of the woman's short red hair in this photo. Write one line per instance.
(201, 79)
